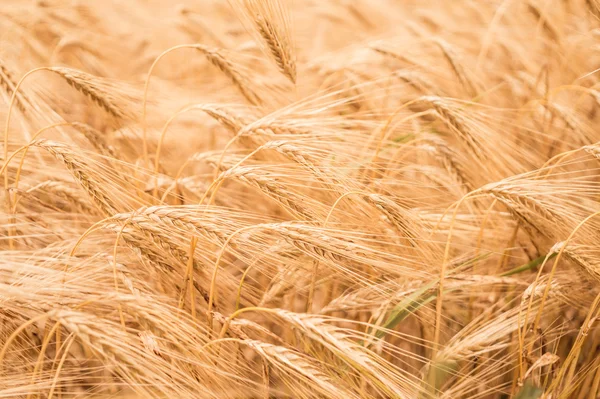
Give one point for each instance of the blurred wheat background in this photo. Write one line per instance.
(300, 199)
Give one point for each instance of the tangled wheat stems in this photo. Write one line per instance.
(311, 200)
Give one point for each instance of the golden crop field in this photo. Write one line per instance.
(300, 199)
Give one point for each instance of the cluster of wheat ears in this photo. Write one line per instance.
(303, 198)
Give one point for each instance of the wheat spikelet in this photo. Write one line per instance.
(456, 123)
(393, 54)
(113, 345)
(8, 84)
(458, 69)
(546, 23)
(399, 217)
(63, 191)
(303, 156)
(148, 227)
(281, 283)
(294, 152)
(289, 200)
(153, 234)
(232, 71)
(139, 245)
(222, 114)
(96, 90)
(418, 82)
(271, 21)
(593, 149)
(336, 252)
(196, 26)
(533, 216)
(525, 207)
(366, 298)
(243, 328)
(81, 171)
(96, 138)
(182, 218)
(153, 246)
(337, 342)
(447, 157)
(285, 360)
(585, 256)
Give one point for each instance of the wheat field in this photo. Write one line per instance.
(300, 199)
